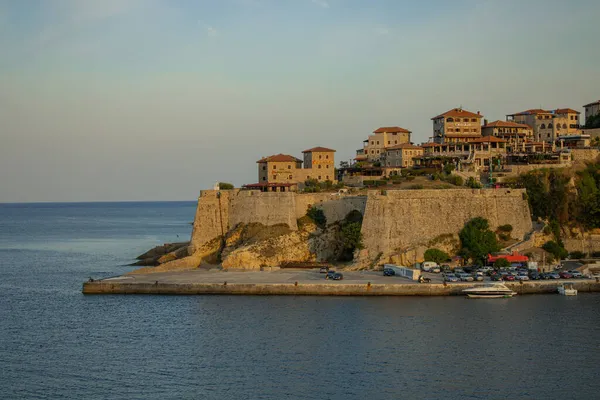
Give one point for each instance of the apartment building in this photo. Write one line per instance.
(548, 125)
(374, 146)
(456, 126)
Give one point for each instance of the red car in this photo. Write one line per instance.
(565, 275)
(508, 277)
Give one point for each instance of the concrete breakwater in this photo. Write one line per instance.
(318, 289)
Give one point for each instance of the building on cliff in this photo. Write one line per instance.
(374, 147)
(283, 172)
(548, 125)
(456, 126)
(402, 155)
(515, 134)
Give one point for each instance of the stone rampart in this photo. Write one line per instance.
(395, 221)
(590, 154)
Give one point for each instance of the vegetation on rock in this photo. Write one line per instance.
(556, 249)
(225, 186)
(350, 235)
(317, 215)
(436, 255)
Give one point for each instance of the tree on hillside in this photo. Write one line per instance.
(477, 240)
(436, 255)
(317, 215)
(501, 263)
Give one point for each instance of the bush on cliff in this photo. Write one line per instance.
(472, 183)
(225, 186)
(436, 255)
(317, 215)
(477, 240)
(576, 255)
(556, 250)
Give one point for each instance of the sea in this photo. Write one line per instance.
(56, 343)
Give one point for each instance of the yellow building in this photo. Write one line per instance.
(514, 134)
(402, 155)
(456, 126)
(374, 147)
(319, 164)
(547, 125)
(280, 168)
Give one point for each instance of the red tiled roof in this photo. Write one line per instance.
(505, 124)
(593, 103)
(404, 146)
(566, 111)
(466, 135)
(430, 145)
(458, 112)
(279, 158)
(391, 129)
(514, 257)
(489, 139)
(321, 149)
(532, 111)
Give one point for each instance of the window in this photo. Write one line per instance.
(289, 177)
(372, 142)
(550, 125)
(327, 177)
(320, 156)
(397, 153)
(319, 166)
(327, 165)
(543, 126)
(378, 142)
(377, 151)
(372, 151)
(264, 178)
(564, 126)
(289, 166)
(319, 177)
(274, 177)
(327, 157)
(307, 176)
(473, 119)
(450, 120)
(389, 142)
(264, 168)
(395, 142)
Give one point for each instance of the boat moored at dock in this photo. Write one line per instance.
(489, 291)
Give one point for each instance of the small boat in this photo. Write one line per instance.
(567, 289)
(489, 291)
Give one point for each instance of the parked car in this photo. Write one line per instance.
(565, 275)
(552, 275)
(330, 274)
(522, 277)
(486, 270)
(323, 270)
(445, 268)
(496, 277)
(478, 277)
(436, 269)
(465, 277)
(534, 275)
(450, 278)
(388, 272)
(509, 277)
(337, 276)
(469, 269)
(576, 274)
(428, 265)
(458, 271)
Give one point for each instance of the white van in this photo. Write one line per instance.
(427, 266)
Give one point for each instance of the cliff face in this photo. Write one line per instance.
(262, 229)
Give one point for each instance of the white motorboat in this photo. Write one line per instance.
(567, 289)
(489, 291)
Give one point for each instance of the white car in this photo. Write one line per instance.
(465, 277)
(521, 277)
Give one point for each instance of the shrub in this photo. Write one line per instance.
(448, 168)
(505, 228)
(504, 237)
(410, 178)
(501, 263)
(472, 183)
(577, 254)
(436, 255)
(317, 215)
(595, 254)
(225, 186)
(352, 238)
(415, 187)
(555, 249)
(476, 240)
(455, 180)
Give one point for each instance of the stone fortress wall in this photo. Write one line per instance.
(393, 220)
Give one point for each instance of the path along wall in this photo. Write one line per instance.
(398, 220)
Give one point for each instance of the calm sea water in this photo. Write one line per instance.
(57, 343)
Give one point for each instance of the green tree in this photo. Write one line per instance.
(477, 240)
(501, 263)
(556, 250)
(575, 255)
(436, 255)
(317, 215)
(352, 237)
(472, 183)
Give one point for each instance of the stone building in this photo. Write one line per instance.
(591, 110)
(547, 125)
(515, 134)
(283, 172)
(374, 146)
(456, 125)
(402, 155)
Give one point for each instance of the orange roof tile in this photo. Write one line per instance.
(566, 111)
(430, 145)
(391, 129)
(321, 149)
(279, 158)
(404, 146)
(505, 124)
(458, 112)
(532, 111)
(470, 135)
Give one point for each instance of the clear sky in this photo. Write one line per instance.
(157, 99)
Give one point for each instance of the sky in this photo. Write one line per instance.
(118, 100)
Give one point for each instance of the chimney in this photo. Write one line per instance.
(485, 121)
(478, 112)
